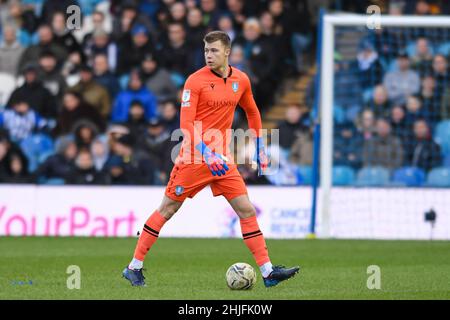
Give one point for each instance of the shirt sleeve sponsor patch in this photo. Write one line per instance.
(186, 95)
(185, 104)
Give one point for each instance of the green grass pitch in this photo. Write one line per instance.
(195, 269)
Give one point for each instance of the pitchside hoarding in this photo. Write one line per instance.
(283, 212)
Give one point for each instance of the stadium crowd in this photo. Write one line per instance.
(97, 104)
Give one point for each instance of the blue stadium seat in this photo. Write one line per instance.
(53, 182)
(409, 176)
(372, 177)
(305, 174)
(439, 177)
(442, 136)
(444, 49)
(343, 176)
(35, 147)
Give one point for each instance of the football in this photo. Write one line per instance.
(240, 276)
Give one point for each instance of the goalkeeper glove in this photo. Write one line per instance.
(261, 159)
(215, 161)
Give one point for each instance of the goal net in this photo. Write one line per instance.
(385, 127)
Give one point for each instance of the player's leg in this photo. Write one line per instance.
(254, 239)
(148, 237)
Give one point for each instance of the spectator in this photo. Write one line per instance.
(100, 152)
(399, 125)
(93, 93)
(98, 23)
(301, 152)
(421, 61)
(170, 116)
(176, 53)
(368, 65)
(101, 43)
(347, 146)
(8, 149)
(104, 76)
(71, 67)
(157, 79)
(128, 166)
(131, 54)
(74, 109)
(441, 73)
(211, 14)
(195, 29)
(62, 35)
(34, 93)
(414, 111)
(61, 163)
(45, 44)
(85, 133)
(237, 60)
(384, 149)
(127, 19)
(422, 151)
(50, 76)
(84, 171)
(238, 14)
(430, 99)
(157, 144)
(50, 7)
(225, 24)
(17, 169)
(294, 31)
(10, 51)
(21, 121)
(379, 103)
(178, 12)
(366, 125)
(402, 83)
(261, 55)
(445, 104)
(135, 91)
(293, 125)
(137, 124)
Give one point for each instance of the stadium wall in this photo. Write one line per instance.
(283, 212)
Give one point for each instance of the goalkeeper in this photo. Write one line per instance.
(209, 99)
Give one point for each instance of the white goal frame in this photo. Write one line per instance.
(330, 21)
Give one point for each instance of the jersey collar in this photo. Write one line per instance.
(220, 76)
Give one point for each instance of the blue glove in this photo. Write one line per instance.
(260, 157)
(215, 161)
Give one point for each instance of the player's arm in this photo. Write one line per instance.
(189, 101)
(248, 103)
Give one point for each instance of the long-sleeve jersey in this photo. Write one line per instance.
(208, 106)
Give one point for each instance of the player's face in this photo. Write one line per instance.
(216, 54)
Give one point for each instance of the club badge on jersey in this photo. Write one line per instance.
(235, 86)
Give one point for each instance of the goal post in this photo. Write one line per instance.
(329, 24)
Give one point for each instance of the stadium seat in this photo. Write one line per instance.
(409, 176)
(439, 177)
(372, 177)
(305, 174)
(444, 49)
(36, 147)
(442, 136)
(53, 182)
(343, 176)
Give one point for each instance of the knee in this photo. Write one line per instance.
(167, 210)
(246, 212)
